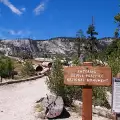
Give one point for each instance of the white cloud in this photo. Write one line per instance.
(23, 9)
(19, 32)
(13, 32)
(11, 6)
(41, 7)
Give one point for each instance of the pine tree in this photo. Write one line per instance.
(92, 40)
(80, 37)
(116, 33)
(117, 18)
(117, 21)
(91, 31)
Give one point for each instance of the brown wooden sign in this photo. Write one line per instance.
(88, 75)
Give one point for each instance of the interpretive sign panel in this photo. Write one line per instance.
(116, 95)
(88, 75)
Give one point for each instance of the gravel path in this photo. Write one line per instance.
(17, 100)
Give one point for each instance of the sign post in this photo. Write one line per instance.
(87, 76)
(87, 99)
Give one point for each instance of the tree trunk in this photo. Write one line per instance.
(12, 76)
(78, 52)
(1, 79)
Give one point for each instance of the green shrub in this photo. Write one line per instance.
(99, 97)
(56, 84)
(28, 69)
(75, 61)
(6, 67)
(115, 65)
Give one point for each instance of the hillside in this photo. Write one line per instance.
(59, 45)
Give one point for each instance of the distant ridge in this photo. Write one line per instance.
(38, 48)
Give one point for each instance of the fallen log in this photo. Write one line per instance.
(52, 105)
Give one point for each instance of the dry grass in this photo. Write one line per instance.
(18, 66)
(39, 108)
(76, 109)
(36, 62)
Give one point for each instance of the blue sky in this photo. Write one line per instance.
(44, 19)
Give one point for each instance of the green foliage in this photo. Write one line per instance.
(90, 57)
(28, 69)
(117, 20)
(112, 48)
(2, 53)
(99, 97)
(117, 17)
(80, 34)
(88, 45)
(91, 31)
(56, 84)
(116, 33)
(111, 55)
(114, 62)
(92, 43)
(3, 69)
(6, 67)
(80, 39)
(75, 61)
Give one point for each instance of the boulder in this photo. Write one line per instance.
(52, 106)
(109, 97)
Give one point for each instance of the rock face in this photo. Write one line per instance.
(39, 48)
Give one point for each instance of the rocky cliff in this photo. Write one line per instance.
(60, 45)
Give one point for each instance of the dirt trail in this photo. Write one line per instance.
(17, 100)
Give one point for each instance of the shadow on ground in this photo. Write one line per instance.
(64, 114)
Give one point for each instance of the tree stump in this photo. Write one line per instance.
(53, 106)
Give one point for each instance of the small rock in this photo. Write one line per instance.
(109, 98)
(95, 111)
(103, 113)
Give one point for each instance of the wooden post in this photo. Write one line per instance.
(114, 117)
(82, 76)
(117, 117)
(87, 99)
